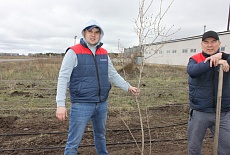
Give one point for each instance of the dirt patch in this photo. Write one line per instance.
(42, 134)
(7, 122)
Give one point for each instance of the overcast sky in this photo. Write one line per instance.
(32, 26)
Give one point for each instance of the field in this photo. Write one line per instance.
(27, 114)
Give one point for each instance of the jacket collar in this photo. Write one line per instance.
(207, 55)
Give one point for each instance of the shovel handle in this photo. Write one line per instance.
(218, 110)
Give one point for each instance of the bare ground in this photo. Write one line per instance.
(43, 134)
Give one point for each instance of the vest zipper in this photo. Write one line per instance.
(98, 79)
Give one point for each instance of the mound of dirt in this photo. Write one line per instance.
(6, 122)
(131, 69)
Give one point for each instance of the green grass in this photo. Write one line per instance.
(32, 84)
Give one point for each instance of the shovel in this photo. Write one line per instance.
(218, 110)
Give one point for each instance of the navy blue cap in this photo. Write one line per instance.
(210, 34)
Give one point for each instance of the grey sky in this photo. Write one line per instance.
(31, 26)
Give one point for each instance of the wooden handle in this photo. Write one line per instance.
(218, 110)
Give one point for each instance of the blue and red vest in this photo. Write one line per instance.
(203, 89)
(89, 79)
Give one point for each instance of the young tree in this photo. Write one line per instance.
(147, 24)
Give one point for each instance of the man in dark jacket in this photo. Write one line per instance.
(203, 70)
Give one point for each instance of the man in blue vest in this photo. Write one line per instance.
(88, 71)
(203, 70)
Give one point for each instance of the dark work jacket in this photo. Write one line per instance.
(89, 79)
(203, 85)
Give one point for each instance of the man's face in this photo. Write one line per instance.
(92, 36)
(210, 46)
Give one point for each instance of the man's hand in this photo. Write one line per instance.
(135, 91)
(225, 65)
(61, 113)
(214, 59)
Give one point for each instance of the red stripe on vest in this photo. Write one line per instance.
(198, 57)
(79, 49)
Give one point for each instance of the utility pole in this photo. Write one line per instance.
(228, 18)
(118, 46)
(75, 37)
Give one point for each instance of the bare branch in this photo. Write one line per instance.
(131, 133)
(148, 7)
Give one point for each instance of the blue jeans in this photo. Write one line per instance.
(80, 115)
(198, 124)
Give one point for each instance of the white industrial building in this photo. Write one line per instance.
(178, 52)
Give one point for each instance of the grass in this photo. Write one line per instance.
(32, 84)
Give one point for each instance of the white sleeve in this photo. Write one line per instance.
(68, 63)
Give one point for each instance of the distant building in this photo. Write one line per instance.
(176, 52)
(9, 54)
